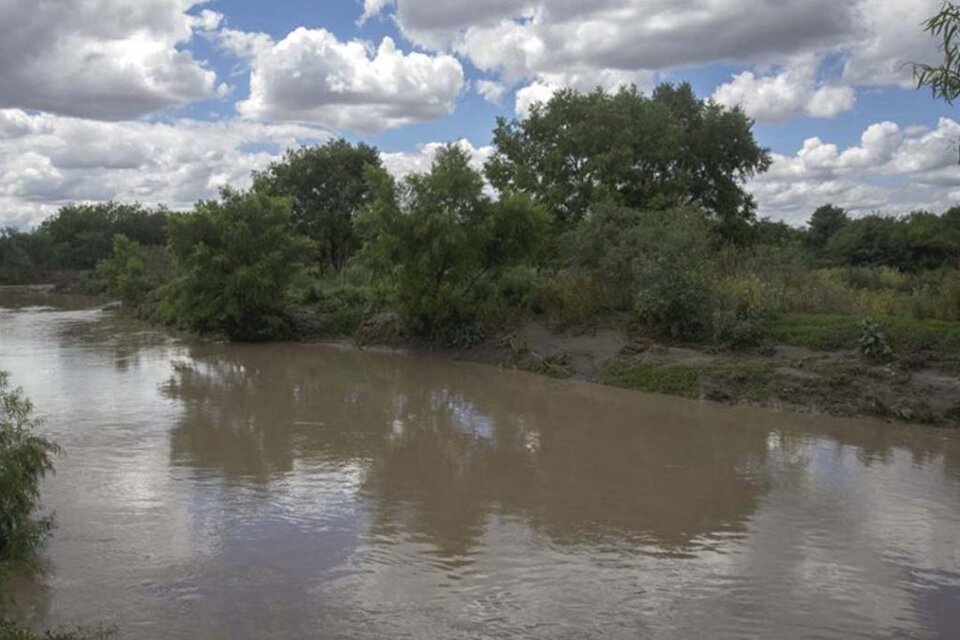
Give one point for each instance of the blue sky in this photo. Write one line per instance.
(166, 100)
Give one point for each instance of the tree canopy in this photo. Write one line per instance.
(327, 187)
(640, 151)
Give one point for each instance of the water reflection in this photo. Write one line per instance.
(445, 445)
(303, 491)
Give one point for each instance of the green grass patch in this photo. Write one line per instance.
(671, 380)
(829, 332)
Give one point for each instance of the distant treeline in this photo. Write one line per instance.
(607, 205)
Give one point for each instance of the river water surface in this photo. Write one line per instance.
(304, 491)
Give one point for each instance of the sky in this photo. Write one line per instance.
(165, 101)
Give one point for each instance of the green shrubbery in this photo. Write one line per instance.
(234, 263)
(436, 245)
(25, 457)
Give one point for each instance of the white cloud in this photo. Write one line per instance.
(312, 76)
(109, 59)
(48, 160)
(400, 164)
(537, 43)
(537, 92)
(792, 92)
(491, 91)
(893, 169)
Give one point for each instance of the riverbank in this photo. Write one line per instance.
(810, 366)
(809, 371)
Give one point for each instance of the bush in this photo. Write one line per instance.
(744, 307)
(134, 274)
(437, 245)
(234, 263)
(872, 342)
(674, 301)
(25, 458)
(569, 299)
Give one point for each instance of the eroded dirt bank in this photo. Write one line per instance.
(916, 388)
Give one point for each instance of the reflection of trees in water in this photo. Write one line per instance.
(444, 446)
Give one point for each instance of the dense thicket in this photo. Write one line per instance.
(608, 207)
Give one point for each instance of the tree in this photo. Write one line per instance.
(824, 224)
(327, 187)
(80, 235)
(134, 273)
(943, 79)
(436, 242)
(25, 458)
(643, 152)
(234, 261)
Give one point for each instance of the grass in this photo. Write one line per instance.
(674, 380)
(826, 332)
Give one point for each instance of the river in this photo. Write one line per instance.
(308, 491)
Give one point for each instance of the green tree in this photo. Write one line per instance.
(437, 243)
(640, 151)
(327, 187)
(943, 79)
(25, 458)
(78, 236)
(234, 261)
(824, 224)
(134, 273)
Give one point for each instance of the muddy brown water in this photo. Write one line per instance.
(304, 491)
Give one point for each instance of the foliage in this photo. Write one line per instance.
(234, 262)
(872, 342)
(675, 380)
(570, 298)
(943, 79)
(134, 274)
(620, 247)
(80, 235)
(327, 186)
(25, 458)
(643, 152)
(744, 308)
(437, 244)
(825, 222)
(832, 332)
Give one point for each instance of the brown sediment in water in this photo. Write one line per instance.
(303, 491)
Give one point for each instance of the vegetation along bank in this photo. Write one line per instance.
(609, 237)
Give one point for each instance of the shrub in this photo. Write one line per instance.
(674, 301)
(437, 245)
(570, 299)
(134, 274)
(744, 307)
(25, 458)
(234, 263)
(872, 342)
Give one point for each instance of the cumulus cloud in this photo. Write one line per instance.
(490, 90)
(400, 164)
(792, 92)
(110, 59)
(310, 75)
(48, 160)
(525, 41)
(894, 170)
